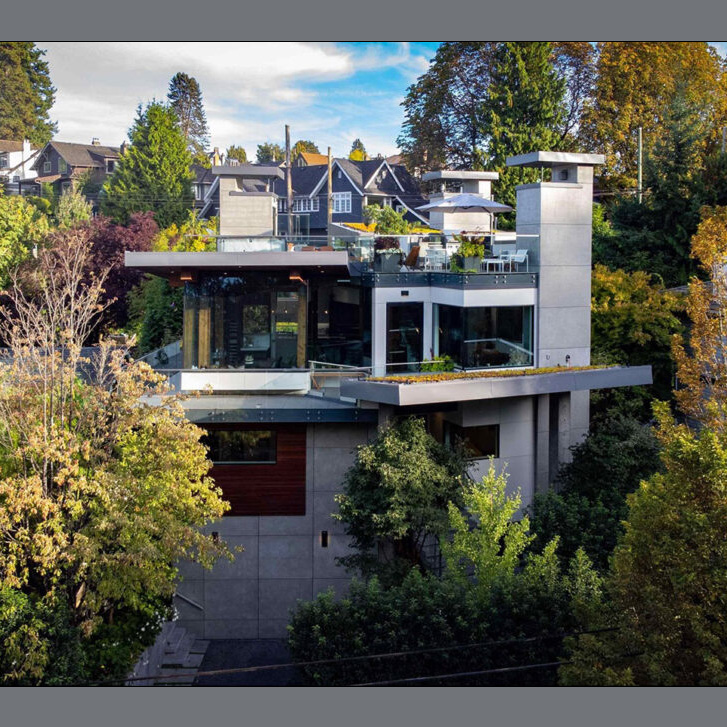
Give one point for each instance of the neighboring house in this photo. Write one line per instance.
(309, 159)
(16, 161)
(203, 180)
(355, 185)
(286, 346)
(64, 165)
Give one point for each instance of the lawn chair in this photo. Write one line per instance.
(518, 258)
(412, 259)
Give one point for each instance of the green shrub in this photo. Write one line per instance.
(587, 504)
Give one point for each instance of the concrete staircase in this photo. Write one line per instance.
(174, 652)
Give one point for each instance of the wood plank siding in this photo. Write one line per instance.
(266, 489)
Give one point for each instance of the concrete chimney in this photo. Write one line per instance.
(555, 221)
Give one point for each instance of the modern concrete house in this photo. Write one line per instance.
(301, 353)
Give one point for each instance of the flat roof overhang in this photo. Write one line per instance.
(554, 159)
(277, 408)
(462, 175)
(434, 392)
(168, 263)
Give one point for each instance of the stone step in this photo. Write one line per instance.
(199, 646)
(194, 660)
(173, 640)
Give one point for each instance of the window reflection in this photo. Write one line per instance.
(485, 337)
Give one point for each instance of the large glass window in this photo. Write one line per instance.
(485, 337)
(268, 321)
(404, 324)
(230, 446)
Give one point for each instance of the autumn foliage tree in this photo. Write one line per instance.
(101, 492)
(634, 85)
(668, 578)
(702, 364)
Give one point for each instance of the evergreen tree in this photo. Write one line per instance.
(26, 93)
(654, 235)
(524, 110)
(185, 97)
(358, 151)
(153, 174)
(237, 153)
(269, 152)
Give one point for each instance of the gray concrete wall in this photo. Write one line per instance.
(560, 213)
(283, 560)
(246, 214)
(516, 418)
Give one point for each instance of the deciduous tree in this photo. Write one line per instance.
(668, 576)
(269, 152)
(22, 226)
(635, 85)
(72, 209)
(396, 494)
(101, 492)
(702, 366)
(358, 151)
(236, 153)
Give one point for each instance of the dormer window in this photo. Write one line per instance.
(110, 166)
(46, 166)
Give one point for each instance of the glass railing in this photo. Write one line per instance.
(394, 254)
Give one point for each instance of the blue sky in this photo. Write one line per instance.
(330, 93)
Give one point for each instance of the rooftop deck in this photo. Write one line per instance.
(421, 260)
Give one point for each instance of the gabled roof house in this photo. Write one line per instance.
(63, 164)
(355, 185)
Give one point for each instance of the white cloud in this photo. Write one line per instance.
(250, 89)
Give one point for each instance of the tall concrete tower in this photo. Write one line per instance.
(555, 221)
(557, 218)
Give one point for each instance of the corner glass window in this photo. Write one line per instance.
(232, 446)
(477, 338)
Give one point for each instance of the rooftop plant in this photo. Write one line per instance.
(498, 374)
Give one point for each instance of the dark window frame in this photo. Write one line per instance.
(461, 432)
(242, 463)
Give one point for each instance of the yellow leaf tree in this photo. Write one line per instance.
(702, 365)
(103, 486)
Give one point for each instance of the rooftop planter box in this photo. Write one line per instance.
(387, 255)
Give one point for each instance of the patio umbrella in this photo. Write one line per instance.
(467, 202)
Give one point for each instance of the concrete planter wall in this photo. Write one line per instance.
(387, 262)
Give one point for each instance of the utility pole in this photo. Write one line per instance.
(288, 182)
(640, 164)
(330, 197)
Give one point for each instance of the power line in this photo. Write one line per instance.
(462, 674)
(363, 657)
